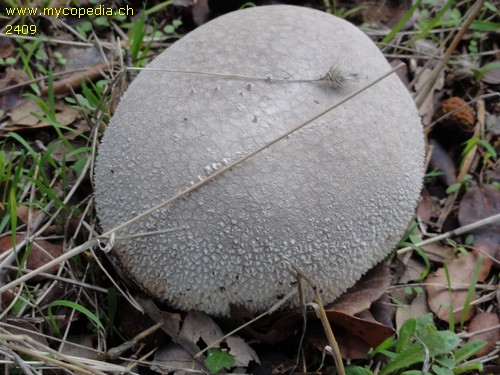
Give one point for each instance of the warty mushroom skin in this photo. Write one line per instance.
(333, 197)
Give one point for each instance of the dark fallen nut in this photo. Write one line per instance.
(333, 197)
(456, 123)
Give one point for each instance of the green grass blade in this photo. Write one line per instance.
(400, 24)
(451, 325)
(75, 306)
(470, 292)
(468, 350)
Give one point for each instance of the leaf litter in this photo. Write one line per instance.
(471, 283)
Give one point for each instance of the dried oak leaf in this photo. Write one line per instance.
(461, 271)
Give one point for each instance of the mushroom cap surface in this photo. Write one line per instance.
(333, 197)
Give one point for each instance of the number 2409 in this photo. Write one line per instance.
(20, 29)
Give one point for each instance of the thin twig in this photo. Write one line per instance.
(320, 311)
(46, 39)
(455, 232)
(115, 352)
(335, 76)
(444, 60)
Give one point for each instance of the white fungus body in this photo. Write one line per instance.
(334, 197)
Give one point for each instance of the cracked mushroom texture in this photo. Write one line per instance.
(333, 197)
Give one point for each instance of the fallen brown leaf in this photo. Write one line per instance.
(173, 356)
(460, 270)
(479, 203)
(6, 47)
(483, 321)
(22, 213)
(368, 330)
(418, 307)
(442, 161)
(10, 98)
(19, 326)
(351, 347)
(41, 252)
(439, 253)
(270, 329)
(22, 118)
(426, 208)
(493, 76)
(366, 291)
(73, 82)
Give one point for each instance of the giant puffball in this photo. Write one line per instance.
(333, 197)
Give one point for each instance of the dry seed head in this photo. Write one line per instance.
(337, 77)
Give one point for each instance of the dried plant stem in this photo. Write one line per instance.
(335, 76)
(419, 100)
(320, 311)
(125, 295)
(485, 330)
(210, 74)
(456, 232)
(69, 363)
(115, 352)
(453, 286)
(46, 39)
(223, 75)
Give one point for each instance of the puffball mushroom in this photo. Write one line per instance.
(333, 197)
